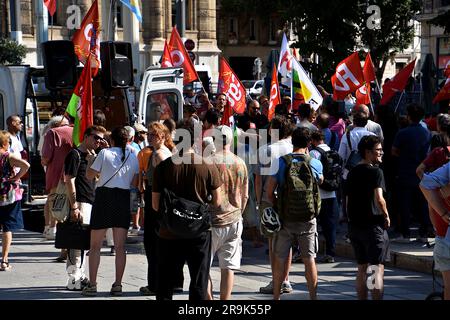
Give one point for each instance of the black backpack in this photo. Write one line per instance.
(332, 169)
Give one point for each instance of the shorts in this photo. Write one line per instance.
(11, 217)
(303, 233)
(227, 243)
(441, 254)
(370, 244)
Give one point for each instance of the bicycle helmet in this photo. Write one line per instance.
(270, 220)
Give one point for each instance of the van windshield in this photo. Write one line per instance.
(161, 106)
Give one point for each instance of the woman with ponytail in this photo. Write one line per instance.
(117, 171)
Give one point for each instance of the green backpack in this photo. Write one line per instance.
(299, 200)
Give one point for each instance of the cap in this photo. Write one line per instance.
(140, 127)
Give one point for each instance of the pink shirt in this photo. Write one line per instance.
(338, 126)
(57, 144)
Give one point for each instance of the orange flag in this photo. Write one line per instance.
(231, 86)
(180, 58)
(398, 83)
(274, 93)
(348, 77)
(369, 70)
(86, 40)
(166, 59)
(444, 93)
(51, 6)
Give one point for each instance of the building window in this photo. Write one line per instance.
(189, 14)
(272, 32)
(119, 15)
(253, 31)
(232, 31)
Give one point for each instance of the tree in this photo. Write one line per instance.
(11, 52)
(443, 21)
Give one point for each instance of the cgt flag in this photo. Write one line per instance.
(444, 93)
(363, 94)
(274, 93)
(348, 77)
(166, 59)
(231, 86)
(86, 40)
(369, 70)
(398, 83)
(180, 58)
(285, 62)
(51, 6)
(81, 105)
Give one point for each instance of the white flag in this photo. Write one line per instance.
(285, 63)
(301, 83)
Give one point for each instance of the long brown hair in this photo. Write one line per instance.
(159, 128)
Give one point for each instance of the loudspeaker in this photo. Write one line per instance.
(117, 64)
(60, 64)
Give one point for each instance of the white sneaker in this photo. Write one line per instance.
(51, 234)
(135, 231)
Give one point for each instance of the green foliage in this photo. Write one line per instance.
(443, 21)
(11, 52)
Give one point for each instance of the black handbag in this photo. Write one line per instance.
(72, 235)
(184, 218)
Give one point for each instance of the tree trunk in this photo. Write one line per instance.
(380, 71)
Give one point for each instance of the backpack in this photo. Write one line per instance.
(332, 169)
(354, 158)
(300, 199)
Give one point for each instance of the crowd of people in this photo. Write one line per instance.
(326, 167)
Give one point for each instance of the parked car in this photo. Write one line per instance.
(253, 87)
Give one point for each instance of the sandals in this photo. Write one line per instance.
(90, 290)
(5, 266)
(116, 290)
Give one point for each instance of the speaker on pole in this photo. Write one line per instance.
(117, 64)
(60, 64)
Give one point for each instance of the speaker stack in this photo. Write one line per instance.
(117, 64)
(60, 63)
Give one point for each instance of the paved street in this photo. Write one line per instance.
(35, 276)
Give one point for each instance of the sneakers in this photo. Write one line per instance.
(90, 290)
(76, 285)
(146, 291)
(286, 287)
(51, 234)
(5, 266)
(327, 259)
(135, 230)
(116, 290)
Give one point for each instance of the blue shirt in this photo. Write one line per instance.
(315, 164)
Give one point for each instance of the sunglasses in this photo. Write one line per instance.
(97, 137)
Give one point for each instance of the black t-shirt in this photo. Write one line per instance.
(75, 165)
(361, 183)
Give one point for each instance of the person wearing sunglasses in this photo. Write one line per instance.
(15, 126)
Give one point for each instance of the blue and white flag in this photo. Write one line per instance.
(133, 5)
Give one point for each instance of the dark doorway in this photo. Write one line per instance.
(243, 66)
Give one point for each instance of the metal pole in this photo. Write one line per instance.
(111, 10)
(42, 29)
(181, 17)
(399, 100)
(16, 32)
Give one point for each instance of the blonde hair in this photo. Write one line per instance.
(4, 138)
(159, 128)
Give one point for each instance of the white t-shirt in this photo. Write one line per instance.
(109, 161)
(16, 145)
(324, 194)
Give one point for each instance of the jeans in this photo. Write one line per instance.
(328, 219)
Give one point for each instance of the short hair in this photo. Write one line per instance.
(415, 112)
(367, 143)
(301, 137)
(283, 125)
(212, 116)
(443, 120)
(261, 97)
(4, 137)
(323, 120)
(360, 119)
(170, 124)
(99, 117)
(304, 110)
(95, 128)
(10, 119)
(317, 135)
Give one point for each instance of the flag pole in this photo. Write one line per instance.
(370, 100)
(51, 27)
(399, 100)
(109, 18)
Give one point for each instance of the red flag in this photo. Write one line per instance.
(51, 6)
(180, 58)
(227, 117)
(369, 70)
(274, 93)
(348, 77)
(444, 93)
(231, 86)
(398, 83)
(86, 40)
(447, 69)
(166, 59)
(363, 94)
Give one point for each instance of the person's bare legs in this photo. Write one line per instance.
(226, 283)
(311, 276)
(6, 244)
(361, 282)
(377, 294)
(278, 274)
(209, 294)
(94, 253)
(120, 236)
(287, 266)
